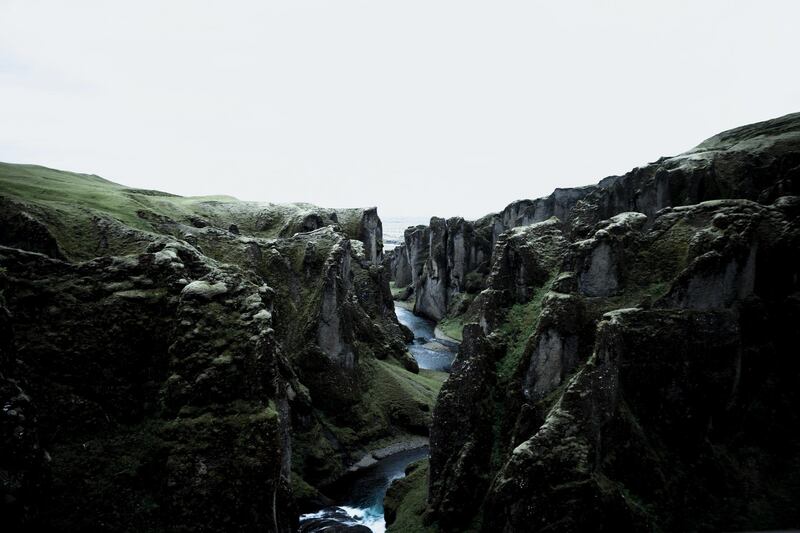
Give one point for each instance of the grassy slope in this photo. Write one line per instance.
(69, 204)
(78, 192)
(408, 497)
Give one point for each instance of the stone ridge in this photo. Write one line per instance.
(190, 364)
(639, 368)
(760, 162)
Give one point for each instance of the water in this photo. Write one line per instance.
(365, 492)
(394, 227)
(368, 491)
(430, 352)
(362, 503)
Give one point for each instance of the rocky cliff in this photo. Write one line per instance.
(758, 162)
(197, 364)
(631, 362)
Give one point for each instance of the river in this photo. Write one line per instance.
(364, 491)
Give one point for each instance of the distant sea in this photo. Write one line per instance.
(394, 227)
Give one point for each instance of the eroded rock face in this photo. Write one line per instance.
(645, 378)
(371, 234)
(600, 261)
(671, 448)
(431, 286)
(400, 266)
(418, 248)
(190, 364)
(670, 385)
(759, 162)
(553, 350)
(461, 435)
(525, 259)
(135, 391)
(330, 336)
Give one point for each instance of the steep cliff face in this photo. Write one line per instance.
(758, 162)
(456, 259)
(634, 360)
(159, 419)
(189, 364)
(399, 266)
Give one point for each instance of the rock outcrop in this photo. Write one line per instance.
(156, 384)
(633, 357)
(189, 364)
(758, 162)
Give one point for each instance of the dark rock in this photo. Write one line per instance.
(759, 162)
(461, 434)
(20, 229)
(401, 267)
(431, 288)
(138, 397)
(652, 387)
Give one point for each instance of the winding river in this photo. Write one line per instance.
(361, 507)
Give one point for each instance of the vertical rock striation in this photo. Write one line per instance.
(633, 356)
(188, 364)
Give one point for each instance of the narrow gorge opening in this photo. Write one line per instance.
(360, 494)
(209, 364)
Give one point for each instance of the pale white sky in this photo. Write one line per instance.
(418, 107)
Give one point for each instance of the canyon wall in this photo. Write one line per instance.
(630, 364)
(189, 364)
(757, 162)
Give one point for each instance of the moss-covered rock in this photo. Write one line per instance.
(405, 504)
(201, 345)
(661, 436)
(156, 404)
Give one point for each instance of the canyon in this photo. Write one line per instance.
(626, 354)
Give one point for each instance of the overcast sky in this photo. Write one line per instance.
(421, 108)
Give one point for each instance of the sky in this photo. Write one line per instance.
(419, 107)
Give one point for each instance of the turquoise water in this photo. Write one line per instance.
(431, 353)
(363, 493)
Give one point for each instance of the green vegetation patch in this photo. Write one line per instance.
(520, 323)
(453, 327)
(406, 501)
(396, 397)
(396, 291)
(396, 404)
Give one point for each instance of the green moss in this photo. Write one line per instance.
(302, 491)
(520, 323)
(453, 327)
(396, 397)
(396, 291)
(70, 205)
(407, 501)
(395, 405)
(314, 458)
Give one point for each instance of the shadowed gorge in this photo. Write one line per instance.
(614, 357)
(628, 351)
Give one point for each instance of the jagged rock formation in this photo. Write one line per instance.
(632, 362)
(144, 422)
(757, 162)
(188, 364)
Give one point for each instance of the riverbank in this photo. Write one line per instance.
(359, 494)
(430, 352)
(374, 456)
